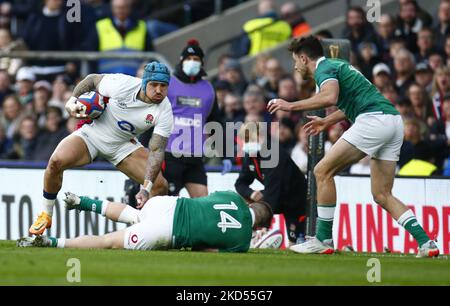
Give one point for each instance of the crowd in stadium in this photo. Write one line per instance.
(406, 56)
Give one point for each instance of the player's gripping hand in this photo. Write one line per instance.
(278, 104)
(141, 198)
(315, 126)
(75, 109)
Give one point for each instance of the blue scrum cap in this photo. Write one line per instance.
(155, 72)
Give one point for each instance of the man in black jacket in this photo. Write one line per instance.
(284, 184)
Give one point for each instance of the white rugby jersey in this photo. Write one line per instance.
(126, 117)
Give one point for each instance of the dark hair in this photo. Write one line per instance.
(309, 45)
(358, 10)
(326, 33)
(263, 213)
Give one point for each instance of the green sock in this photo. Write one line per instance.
(54, 242)
(88, 204)
(324, 226)
(409, 222)
(414, 228)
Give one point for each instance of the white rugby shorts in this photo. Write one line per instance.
(378, 135)
(113, 152)
(154, 230)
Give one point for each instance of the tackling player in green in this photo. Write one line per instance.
(377, 131)
(221, 222)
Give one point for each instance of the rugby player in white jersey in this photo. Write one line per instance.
(135, 105)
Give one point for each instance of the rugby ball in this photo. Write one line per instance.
(93, 104)
(273, 239)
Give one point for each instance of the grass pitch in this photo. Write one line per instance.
(32, 266)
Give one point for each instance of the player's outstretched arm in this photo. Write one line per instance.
(157, 146)
(328, 96)
(89, 83)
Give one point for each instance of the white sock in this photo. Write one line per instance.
(104, 205)
(48, 206)
(129, 215)
(61, 243)
(407, 215)
(326, 213)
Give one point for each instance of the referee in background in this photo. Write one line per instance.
(284, 185)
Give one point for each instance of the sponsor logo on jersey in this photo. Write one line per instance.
(134, 238)
(149, 119)
(189, 101)
(183, 121)
(122, 104)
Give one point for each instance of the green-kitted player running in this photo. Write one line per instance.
(377, 131)
(221, 221)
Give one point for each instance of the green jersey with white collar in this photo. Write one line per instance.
(357, 95)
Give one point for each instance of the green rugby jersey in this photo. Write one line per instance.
(357, 95)
(221, 221)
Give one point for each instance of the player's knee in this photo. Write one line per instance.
(322, 173)
(55, 164)
(380, 197)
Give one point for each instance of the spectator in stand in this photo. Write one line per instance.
(60, 87)
(259, 69)
(446, 48)
(381, 75)
(405, 108)
(440, 131)
(286, 134)
(41, 96)
(235, 77)
(223, 60)
(54, 131)
(222, 88)
(386, 33)
(397, 44)
(25, 79)
(421, 106)
(233, 111)
(263, 32)
(11, 65)
(422, 14)
(272, 75)
(10, 117)
(367, 58)
(287, 89)
(121, 32)
(442, 28)
(291, 13)
(358, 29)
(255, 104)
(48, 29)
(435, 60)
(425, 44)
(424, 77)
(409, 24)
(441, 87)
(24, 141)
(404, 64)
(5, 86)
(390, 92)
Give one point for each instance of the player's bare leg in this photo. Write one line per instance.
(382, 181)
(134, 166)
(340, 156)
(71, 152)
(196, 190)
